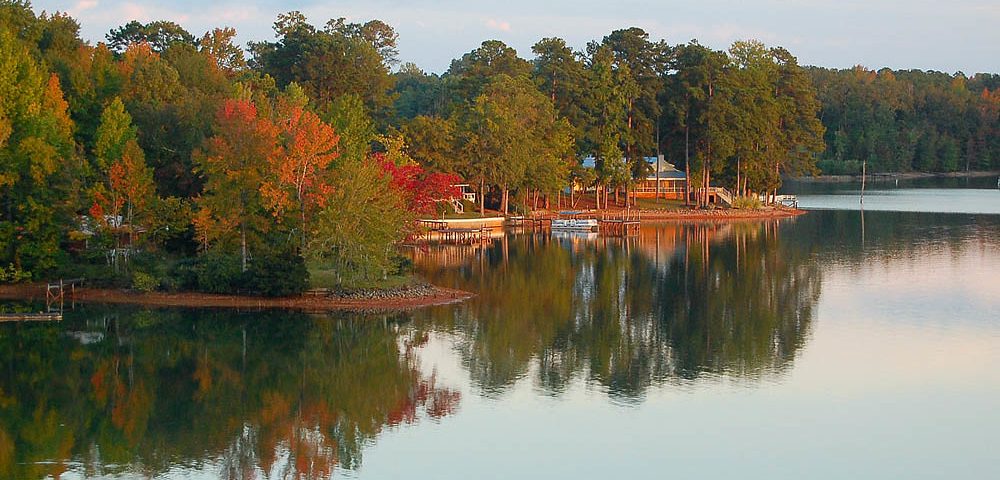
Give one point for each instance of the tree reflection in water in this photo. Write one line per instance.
(271, 395)
(677, 303)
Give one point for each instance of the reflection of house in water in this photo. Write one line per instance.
(661, 242)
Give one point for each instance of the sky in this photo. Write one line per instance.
(958, 35)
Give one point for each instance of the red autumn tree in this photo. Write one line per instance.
(421, 189)
(127, 193)
(299, 181)
(132, 180)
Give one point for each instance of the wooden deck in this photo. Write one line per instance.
(624, 223)
(55, 294)
(30, 317)
(465, 236)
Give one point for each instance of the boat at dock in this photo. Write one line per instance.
(575, 224)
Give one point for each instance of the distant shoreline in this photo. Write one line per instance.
(428, 296)
(720, 214)
(899, 175)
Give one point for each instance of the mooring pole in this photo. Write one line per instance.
(864, 173)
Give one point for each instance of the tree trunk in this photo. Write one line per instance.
(504, 198)
(738, 162)
(302, 209)
(687, 162)
(482, 197)
(243, 246)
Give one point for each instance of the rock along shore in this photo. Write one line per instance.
(398, 298)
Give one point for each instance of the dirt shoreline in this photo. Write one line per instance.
(901, 176)
(437, 296)
(720, 214)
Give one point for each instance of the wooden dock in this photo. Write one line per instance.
(516, 221)
(625, 223)
(55, 294)
(30, 317)
(433, 225)
(465, 236)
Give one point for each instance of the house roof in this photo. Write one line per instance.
(667, 169)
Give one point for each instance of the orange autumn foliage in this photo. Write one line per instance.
(300, 178)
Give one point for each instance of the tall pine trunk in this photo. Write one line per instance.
(504, 199)
(482, 197)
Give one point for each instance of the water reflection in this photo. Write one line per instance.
(706, 309)
(267, 395)
(676, 303)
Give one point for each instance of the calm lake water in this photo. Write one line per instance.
(839, 344)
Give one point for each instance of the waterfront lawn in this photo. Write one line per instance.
(467, 214)
(659, 204)
(327, 278)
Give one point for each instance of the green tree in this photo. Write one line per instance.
(349, 118)
(113, 133)
(561, 74)
(469, 74)
(364, 221)
(606, 105)
(431, 141)
(218, 44)
(159, 34)
(38, 170)
(519, 131)
(328, 63)
(640, 63)
(419, 93)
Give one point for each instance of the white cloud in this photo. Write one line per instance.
(84, 5)
(498, 25)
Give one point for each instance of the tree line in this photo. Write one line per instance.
(908, 120)
(315, 151)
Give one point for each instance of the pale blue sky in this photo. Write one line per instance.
(959, 35)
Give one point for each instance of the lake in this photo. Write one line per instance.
(844, 343)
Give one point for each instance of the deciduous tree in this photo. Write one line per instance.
(233, 165)
(299, 181)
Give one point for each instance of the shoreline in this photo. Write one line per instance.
(35, 292)
(893, 176)
(721, 214)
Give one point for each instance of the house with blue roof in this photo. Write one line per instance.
(672, 182)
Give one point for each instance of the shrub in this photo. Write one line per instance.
(183, 275)
(277, 274)
(144, 282)
(218, 273)
(12, 274)
(748, 202)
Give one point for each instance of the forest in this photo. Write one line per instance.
(159, 159)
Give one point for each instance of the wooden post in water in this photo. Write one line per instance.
(864, 169)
